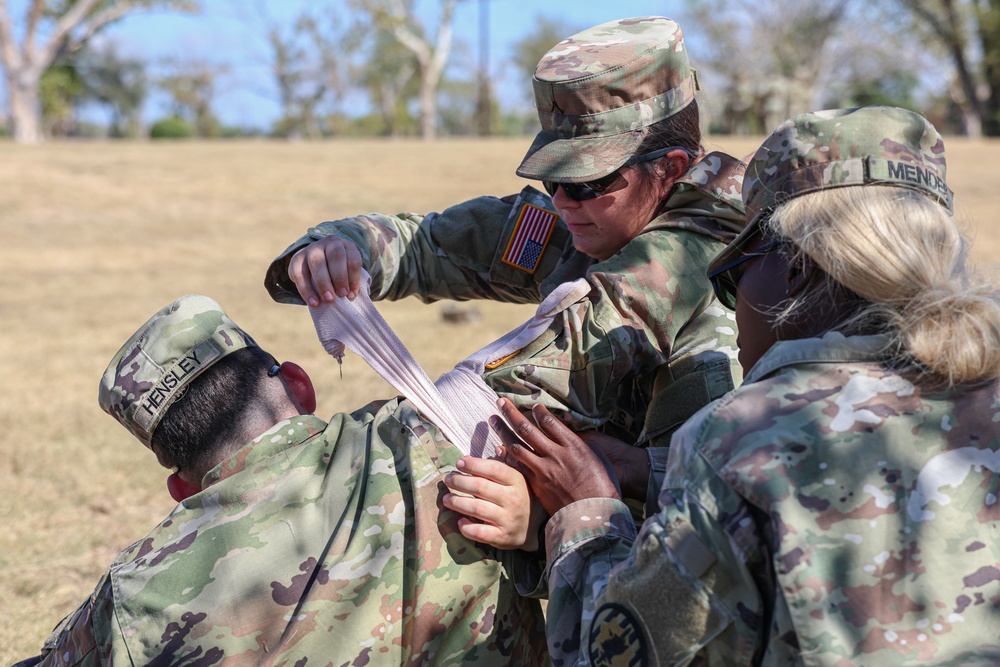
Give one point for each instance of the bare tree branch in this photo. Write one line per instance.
(25, 64)
(96, 23)
(34, 14)
(8, 49)
(60, 34)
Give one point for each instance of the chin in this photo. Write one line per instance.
(581, 245)
(590, 249)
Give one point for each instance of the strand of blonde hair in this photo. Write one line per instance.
(906, 258)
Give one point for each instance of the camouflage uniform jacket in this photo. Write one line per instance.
(313, 543)
(650, 304)
(831, 511)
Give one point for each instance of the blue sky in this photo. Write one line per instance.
(228, 32)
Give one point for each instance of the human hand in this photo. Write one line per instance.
(326, 269)
(560, 467)
(498, 509)
(631, 463)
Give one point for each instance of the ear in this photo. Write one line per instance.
(672, 166)
(801, 271)
(180, 489)
(300, 385)
(678, 163)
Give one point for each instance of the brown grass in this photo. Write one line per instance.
(96, 237)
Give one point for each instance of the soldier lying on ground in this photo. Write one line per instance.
(839, 508)
(295, 539)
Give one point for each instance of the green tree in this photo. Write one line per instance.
(61, 88)
(398, 19)
(771, 58)
(963, 28)
(527, 51)
(306, 62)
(192, 92)
(172, 127)
(988, 31)
(52, 28)
(457, 107)
(117, 83)
(388, 76)
(893, 89)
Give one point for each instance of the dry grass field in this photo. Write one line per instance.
(94, 237)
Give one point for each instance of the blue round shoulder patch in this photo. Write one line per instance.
(616, 639)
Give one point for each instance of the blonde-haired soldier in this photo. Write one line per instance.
(905, 257)
(840, 507)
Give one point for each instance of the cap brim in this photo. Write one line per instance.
(577, 160)
(736, 246)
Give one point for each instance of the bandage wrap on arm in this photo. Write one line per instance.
(459, 403)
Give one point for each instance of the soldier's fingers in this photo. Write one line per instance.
(315, 256)
(500, 426)
(491, 469)
(337, 259)
(353, 270)
(555, 429)
(298, 272)
(472, 507)
(514, 453)
(475, 486)
(487, 534)
(520, 432)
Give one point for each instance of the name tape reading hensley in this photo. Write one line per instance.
(172, 382)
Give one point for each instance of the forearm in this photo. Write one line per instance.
(584, 541)
(383, 242)
(455, 254)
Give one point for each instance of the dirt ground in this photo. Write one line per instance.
(98, 236)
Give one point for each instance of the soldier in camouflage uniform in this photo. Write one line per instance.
(840, 507)
(313, 543)
(635, 207)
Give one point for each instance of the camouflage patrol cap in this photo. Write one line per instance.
(876, 145)
(155, 366)
(598, 90)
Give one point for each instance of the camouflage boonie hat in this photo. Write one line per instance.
(876, 145)
(159, 361)
(598, 90)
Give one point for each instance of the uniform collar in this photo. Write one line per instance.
(832, 347)
(281, 436)
(706, 200)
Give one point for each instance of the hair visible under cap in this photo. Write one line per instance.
(213, 411)
(683, 129)
(904, 255)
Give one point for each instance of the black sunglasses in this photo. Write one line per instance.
(606, 184)
(726, 277)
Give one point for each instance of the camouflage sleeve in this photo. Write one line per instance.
(686, 589)
(583, 541)
(464, 252)
(73, 642)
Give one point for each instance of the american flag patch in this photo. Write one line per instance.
(531, 235)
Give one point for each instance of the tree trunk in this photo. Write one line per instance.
(428, 106)
(988, 14)
(973, 107)
(25, 109)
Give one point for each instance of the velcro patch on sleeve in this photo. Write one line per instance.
(530, 238)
